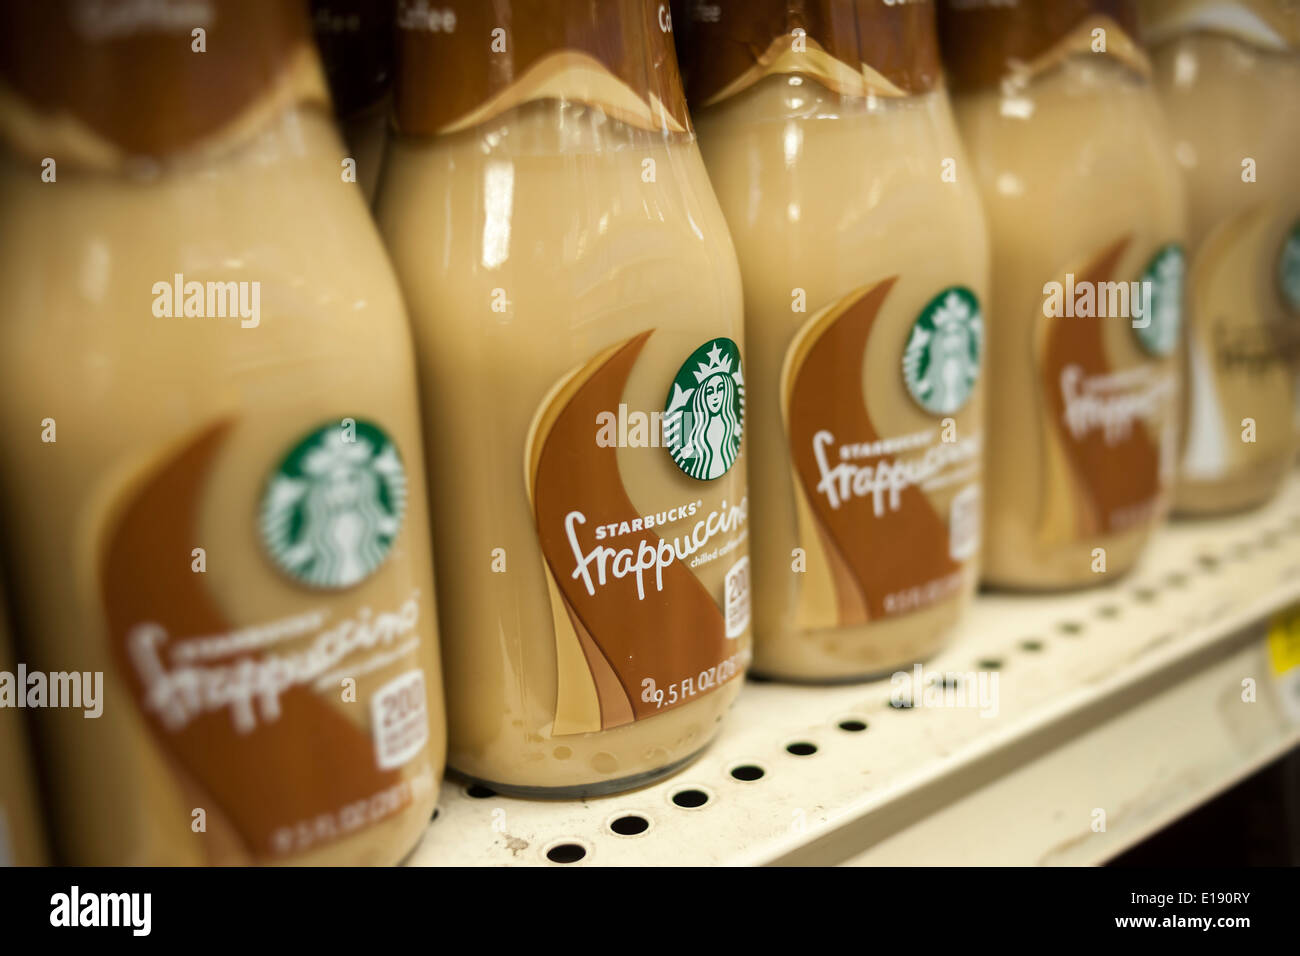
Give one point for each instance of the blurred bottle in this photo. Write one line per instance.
(577, 314)
(213, 487)
(1086, 217)
(355, 38)
(829, 139)
(22, 839)
(1228, 72)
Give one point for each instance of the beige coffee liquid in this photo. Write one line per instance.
(22, 839)
(1227, 100)
(1078, 181)
(831, 195)
(535, 253)
(139, 438)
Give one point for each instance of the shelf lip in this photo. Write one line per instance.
(1198, 596)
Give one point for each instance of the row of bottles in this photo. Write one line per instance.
(947, 345)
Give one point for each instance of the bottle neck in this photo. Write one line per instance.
(106, 82)
(1269, 25)
(853, 47)
(461, 63)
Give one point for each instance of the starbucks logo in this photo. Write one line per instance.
(334, 505)
(706, 411)
(1288, 269)
(941, 362)
(1165, 304)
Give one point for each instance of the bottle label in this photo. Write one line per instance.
(863, 486)
(1110, 403)
(1240, 348)
(646, 548)
(290, 730)
(705, 413)
(334, 505)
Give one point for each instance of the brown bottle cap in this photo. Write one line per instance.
(852, 47)
(462, 62)
(355, 38)
(986, 41)
(102, 80)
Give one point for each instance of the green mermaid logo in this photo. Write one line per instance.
(1163, 329)
(705, 414)
(1288, 269)
(941, 361)
(334, 506)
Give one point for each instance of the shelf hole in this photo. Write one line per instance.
(902, 703)
(1243, 550)
(853, 726)
(630, 825)
(1268, 539)
(1176, 580)
(1144, 595)
(1075, 628)
(801, 748)
(566, 853)
(946, 681)
(690, 799)
(989, 664)
(1032, 645)
(436, 811)
(1108, 611)
(747, 772)
(480, 792)
(1208, 562)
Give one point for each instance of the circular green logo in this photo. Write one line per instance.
(941, 361)
(1163, 323)
(334, 504)
(705, 414)
(1288, 269)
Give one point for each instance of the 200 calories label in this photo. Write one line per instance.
(400, 719)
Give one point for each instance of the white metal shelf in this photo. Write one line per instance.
(1125, 699)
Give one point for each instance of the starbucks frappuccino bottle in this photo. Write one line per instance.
(1086, 219)
(355, 38)
(212, 488)
(577, 316)
(22, 840)
(829, 139)
(1228, 74)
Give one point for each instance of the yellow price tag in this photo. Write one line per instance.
(1284, 641)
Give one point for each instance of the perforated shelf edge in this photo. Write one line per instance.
(1119, 709)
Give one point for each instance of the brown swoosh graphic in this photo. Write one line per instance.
(883, 554)
(671, 634)
(1111, 477)
(311, 760)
